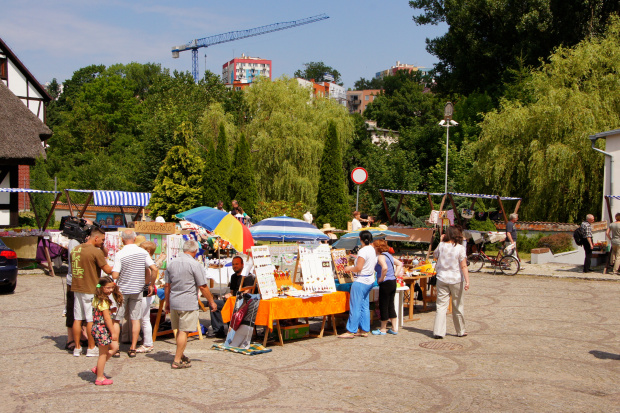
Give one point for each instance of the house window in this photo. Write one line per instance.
(366, 97)
(3, 68)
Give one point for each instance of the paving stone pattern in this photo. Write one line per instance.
(535, 344)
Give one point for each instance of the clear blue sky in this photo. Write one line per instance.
(55, 38)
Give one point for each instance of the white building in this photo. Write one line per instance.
(21, 82)
(611, 179)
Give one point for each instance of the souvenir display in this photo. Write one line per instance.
(113, 244)
(341, 260)
(263, 268)
(316, 267)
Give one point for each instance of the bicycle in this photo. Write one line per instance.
(508, 264)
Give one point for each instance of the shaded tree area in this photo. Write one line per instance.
(488, 39)
(540, 150)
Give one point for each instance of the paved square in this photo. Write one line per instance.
(534, 344)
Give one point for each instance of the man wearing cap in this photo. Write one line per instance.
(129, 271)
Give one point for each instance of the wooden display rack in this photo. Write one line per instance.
(157, 333)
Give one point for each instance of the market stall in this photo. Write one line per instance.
(25, 242)
(118, 199)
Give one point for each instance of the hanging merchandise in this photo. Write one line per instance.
(433, 219)
(450, 216)
(467, 213)
(113, 243)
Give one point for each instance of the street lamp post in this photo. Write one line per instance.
(446, 123)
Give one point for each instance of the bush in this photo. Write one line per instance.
(475, 225)
(526, 244)
(557, 242)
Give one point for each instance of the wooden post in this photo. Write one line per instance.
(430, 201)
(517, 206)
(34, 210)
(400, 201)
(387, 211)
(458, 216)
(49, 215)
(139, 212)
(123, 214)
(501, 206)
(83, 210)
(69, 202)
(611, 217)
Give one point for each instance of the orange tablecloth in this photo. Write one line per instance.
(283, 308)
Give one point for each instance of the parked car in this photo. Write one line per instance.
(8, 269)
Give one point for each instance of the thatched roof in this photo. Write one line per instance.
(21, 131)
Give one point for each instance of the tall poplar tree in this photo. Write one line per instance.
(220, 170)
(210, 185)
(178, 186)
(331, 200)
(242, 182)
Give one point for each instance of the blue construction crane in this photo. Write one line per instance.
(196, 44)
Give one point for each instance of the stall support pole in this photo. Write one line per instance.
(387, 211)
(83, 210)
(501, 205)
(400, 201)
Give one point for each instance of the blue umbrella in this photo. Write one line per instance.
(351, 240)
(286, 229)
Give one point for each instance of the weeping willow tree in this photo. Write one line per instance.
(540, 151)
(286, 133)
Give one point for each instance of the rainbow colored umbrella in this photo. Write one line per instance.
(221, 223)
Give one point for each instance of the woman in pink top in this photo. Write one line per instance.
(452, 280)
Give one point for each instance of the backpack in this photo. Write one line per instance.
(578, 236)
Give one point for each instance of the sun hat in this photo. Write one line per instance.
(328, 227)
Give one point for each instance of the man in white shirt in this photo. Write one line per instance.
(356, 224)
(131, 277)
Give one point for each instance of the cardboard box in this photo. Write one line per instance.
(291, 332)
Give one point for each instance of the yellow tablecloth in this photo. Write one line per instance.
(290, 307)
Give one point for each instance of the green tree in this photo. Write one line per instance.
(40, 179)
(363, 84)
(331, 201)
(487, 38)
(220, 172)
(317, 71)
(210, 186)
(174, 99)
(540, 150)
(286, 135)
(242, 182)
(178, 186)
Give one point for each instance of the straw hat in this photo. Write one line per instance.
(328, 227)
(383, 227)
(140, 239)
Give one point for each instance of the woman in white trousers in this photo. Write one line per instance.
(452, 280)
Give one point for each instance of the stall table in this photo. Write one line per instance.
(276, 309)
(410, 281)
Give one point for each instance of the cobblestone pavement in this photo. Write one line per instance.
(535, 344)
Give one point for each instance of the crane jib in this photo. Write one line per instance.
(194, 45)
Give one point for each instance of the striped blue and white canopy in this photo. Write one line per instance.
(400, 192)
(28, 190)
(467, 195)
(285, 229)
(118, 198)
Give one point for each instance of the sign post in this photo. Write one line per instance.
(359, 176)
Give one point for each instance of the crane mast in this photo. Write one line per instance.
(196, 44)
